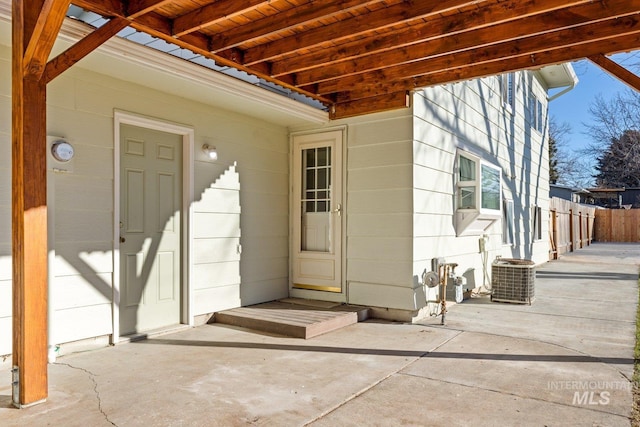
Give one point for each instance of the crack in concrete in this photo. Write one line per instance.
(95, 388)
(537, 340)
(506, 393)
(380, 381)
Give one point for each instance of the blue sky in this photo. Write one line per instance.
(573, 106)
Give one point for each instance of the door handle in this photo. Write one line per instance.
(338, 209)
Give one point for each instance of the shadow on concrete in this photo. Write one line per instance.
(6, 401)
(391, 352)
(584, 275)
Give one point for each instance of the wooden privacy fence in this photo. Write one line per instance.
(618, 225)
(571, 226)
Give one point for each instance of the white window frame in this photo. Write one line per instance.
(536, 112)
(508, 222)
(536, 223)
(476, 184)
(507, 91)
(474, 218)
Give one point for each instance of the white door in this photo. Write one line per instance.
(317, 212)
(150, 229)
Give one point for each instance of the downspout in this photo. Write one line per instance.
(574, 81)
(562, 92)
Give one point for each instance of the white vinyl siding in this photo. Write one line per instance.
(401, 186)
(470, 116)
(240, 200)
(379, 205)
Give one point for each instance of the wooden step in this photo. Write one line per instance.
(293, 318)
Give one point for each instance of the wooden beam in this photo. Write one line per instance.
(381, 18)
(209, 14)
(103, 7)
(473, 39)
(284, 21)
(390, 101)
(82, 48)
(447, 28)
(137, 8)
(43, 31)
(613, 45)
(29, 204)
(616, 70)
(526, 46)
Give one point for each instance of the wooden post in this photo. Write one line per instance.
(29, 215)
(35, 27)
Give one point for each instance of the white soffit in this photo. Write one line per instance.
(559, 75)
(148, 67)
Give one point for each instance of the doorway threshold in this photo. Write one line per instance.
(293, 317)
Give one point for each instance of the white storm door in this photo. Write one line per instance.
(317, 212)
(150, 229)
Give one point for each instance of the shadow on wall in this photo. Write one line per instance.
(520, 182)
(83, 259)
(82, 290)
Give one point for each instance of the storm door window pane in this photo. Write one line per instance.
(316, 188)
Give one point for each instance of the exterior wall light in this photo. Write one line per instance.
(210, 151)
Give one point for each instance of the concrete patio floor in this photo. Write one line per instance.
(565, 360)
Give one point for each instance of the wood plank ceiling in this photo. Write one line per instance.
(361, 56)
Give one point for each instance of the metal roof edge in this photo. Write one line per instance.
(178, 68)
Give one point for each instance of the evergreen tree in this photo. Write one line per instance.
(615, 132)
(619, 164)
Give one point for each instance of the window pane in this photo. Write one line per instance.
(467, 198)
(323, 207)
(310, 180)
(510, 89)
(322, 179)
(308, 207)
(507, 222)
(537, 222)
(539, 117)
(310, 157)
(322, 156)
(490, 188)
(467, 169)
